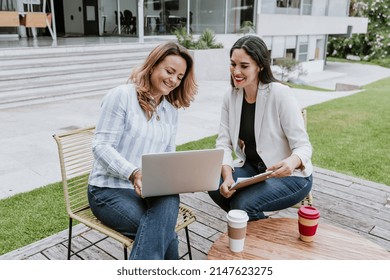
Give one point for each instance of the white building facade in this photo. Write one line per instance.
(296, 29)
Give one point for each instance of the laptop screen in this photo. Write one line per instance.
(181, 172)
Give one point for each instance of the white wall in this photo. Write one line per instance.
(212, 64)
(267, 6)
(312, 47)
(338, 8)
(282, 25)
(318, 8)
(229, 39)
(278, 47)
(291, 42)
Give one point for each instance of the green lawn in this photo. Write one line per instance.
(350, 135)
(385, 62)
(31, 216)
(306, 87)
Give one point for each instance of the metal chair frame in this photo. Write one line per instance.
(76, 160)
(308, 200)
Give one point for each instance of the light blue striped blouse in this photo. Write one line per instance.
(123, 135)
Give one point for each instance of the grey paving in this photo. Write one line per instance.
(29, 156)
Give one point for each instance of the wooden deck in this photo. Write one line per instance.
(351, 203)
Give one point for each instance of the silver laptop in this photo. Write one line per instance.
(181, 172)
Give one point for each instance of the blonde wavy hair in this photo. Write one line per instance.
(180, 97)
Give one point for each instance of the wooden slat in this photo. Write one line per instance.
(59, 252)
(278, 239)
(34, 19)
(9, 19)
(38, 256)
(108, 245)
(340, 198)
(92, 253)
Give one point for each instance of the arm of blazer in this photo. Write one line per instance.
(229, 128)
(283, 128)
(279, 127)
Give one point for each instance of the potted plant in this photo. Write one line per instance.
(210, 58)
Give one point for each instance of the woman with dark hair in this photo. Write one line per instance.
(138, 118)
(263, 125)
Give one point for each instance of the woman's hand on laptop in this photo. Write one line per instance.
(138, 183)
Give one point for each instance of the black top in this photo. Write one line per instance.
(247, 134)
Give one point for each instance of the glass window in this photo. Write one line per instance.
(291, 7)
(306, 7)
(109, 10)
(208, 14)
(125, 14)
(163, 17)
(290, 53)
(320, 46)
(8, 5)
(240, 13)
(303, 47)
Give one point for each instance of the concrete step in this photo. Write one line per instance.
(29, 73)
(17, 53)
(41, 81)
(33, 75)
(79, 58)
(16, 98)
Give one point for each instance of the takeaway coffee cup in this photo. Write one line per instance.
(237, 222)
(308, 217)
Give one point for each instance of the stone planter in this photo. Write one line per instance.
(211, 64)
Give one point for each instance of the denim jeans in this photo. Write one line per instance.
(150, 222)
(270, 195)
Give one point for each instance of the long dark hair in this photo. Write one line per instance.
(256, 48)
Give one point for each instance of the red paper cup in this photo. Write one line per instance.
(308, 217)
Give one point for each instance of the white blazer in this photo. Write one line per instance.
(279, 128)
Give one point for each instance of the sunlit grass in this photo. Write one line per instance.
(385, 62)
(351, 134)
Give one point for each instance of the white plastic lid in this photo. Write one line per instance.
(237, 216)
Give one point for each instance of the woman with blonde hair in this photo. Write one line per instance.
(137, 118)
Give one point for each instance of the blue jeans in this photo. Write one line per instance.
(150, 222)
(272, 194)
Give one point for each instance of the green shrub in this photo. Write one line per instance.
(184, 39)
(247, 27)
(373, 45)
(206, 40)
